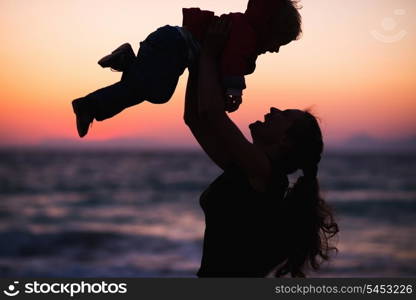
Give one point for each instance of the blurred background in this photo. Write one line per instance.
(124, 200)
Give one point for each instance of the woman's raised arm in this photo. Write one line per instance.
(226, 143)
(206, 140)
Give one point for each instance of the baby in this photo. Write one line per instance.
(153, 74)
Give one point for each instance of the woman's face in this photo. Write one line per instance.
(273, 46)
(273, 129)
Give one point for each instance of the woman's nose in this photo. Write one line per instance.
(274, 110)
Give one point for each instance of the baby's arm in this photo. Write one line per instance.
(234, 84)
(237, 60)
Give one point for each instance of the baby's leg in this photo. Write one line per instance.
(161, 60)
(153, 76)
(111, 100)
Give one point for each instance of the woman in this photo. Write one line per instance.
(254, 223)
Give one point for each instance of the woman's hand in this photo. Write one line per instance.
(216, 37)
(232, 103)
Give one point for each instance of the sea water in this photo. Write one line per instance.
(131, 213)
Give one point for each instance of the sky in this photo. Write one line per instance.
(355, 66)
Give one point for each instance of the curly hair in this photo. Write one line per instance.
(310, 231)
(310, 219)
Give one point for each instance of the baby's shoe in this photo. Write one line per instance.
(84, 115)
(119, 59)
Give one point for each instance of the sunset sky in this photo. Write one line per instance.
(355, 65)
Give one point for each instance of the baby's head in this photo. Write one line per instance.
(277, 22)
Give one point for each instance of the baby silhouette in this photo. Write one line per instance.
(153, 74)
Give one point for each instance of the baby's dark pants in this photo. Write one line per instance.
(153, 76)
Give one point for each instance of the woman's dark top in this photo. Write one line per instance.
(243, 233)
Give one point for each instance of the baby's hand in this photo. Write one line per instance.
(232, 103)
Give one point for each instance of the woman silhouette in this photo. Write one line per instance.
(255, 225)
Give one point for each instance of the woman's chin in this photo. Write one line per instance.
(254, 127)
(255, 124)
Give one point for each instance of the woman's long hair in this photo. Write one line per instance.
(310, 221)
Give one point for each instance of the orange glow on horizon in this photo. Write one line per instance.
(354, 82)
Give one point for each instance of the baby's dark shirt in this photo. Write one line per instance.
(247, 36)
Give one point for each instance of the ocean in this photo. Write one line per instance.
(131, 213)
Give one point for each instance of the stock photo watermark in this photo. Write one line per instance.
(12, 289)
(70, 289)
(390, 33)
